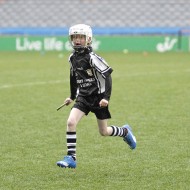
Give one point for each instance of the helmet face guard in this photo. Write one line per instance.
(80, 36)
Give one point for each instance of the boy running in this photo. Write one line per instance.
(90, 87)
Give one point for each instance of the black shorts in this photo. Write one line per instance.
(91, 104)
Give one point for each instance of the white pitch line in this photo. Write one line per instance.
(5, 86)
(154, 73)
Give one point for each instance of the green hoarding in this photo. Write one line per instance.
(100, 43)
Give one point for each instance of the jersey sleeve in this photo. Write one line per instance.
(71, 67)
(100, 65)
(73, 87)
(73, 83)
(108, 88)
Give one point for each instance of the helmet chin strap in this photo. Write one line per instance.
(81, 49)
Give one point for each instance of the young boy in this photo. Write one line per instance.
(90, 85)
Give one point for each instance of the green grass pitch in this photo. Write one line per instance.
(151, 92)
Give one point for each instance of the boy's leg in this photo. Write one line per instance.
(69, 160)
(124, 132)
(105, 130)
(74, 117)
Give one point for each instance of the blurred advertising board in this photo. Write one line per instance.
(150, 43)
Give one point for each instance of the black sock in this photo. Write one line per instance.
(71, 144)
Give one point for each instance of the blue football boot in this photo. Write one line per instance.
(67, 162)
(130, 139)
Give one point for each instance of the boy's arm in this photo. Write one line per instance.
(108, 87)
(73, 86)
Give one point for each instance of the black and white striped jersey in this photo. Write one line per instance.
(89, 74)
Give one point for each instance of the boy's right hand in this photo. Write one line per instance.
(68, 101)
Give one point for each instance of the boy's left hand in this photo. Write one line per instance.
(103, 103)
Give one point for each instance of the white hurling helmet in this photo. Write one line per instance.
(82, 29)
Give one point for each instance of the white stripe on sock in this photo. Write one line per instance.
(71, 136)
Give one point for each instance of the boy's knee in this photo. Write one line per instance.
(103, 133)
(71, 123)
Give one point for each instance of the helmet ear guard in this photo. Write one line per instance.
(80, 29)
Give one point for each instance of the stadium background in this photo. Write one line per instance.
(144, 25)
